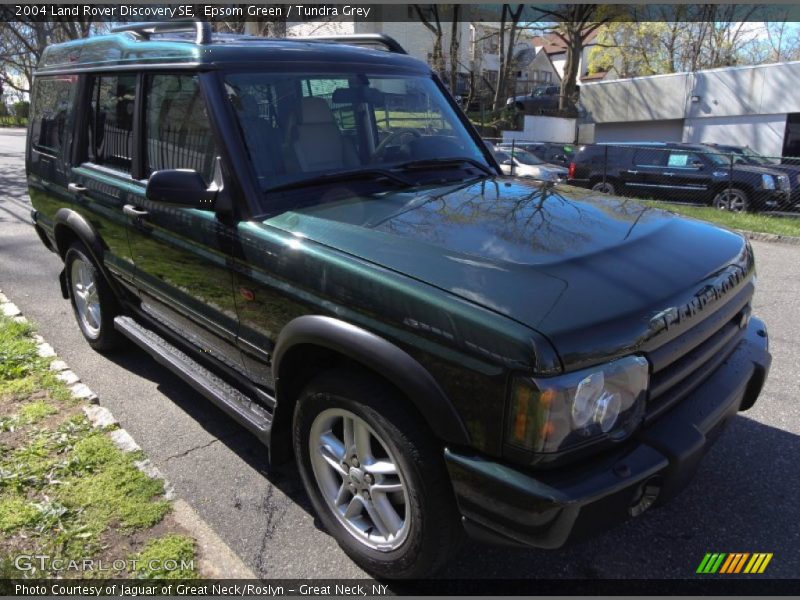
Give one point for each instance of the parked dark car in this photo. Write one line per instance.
(748, 156)
(683, 172)
(550, 152)
(542, 98)
(442, 350)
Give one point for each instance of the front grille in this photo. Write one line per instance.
(682, 364)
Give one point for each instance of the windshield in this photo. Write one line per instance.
(300, 129)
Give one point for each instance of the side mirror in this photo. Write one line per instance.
(181, 187)
(698, 164)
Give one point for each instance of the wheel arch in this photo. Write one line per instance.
(317, 340)
(69, 227)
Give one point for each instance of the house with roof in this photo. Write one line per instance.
(556, 50)
(479, 47)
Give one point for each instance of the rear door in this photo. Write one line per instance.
(181, 254)
(685, 175)
(102, 181)
(641, 171)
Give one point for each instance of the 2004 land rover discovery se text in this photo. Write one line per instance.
(312, 235)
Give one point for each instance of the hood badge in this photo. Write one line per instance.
(705, 296)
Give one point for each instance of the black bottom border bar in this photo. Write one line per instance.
(710, 585)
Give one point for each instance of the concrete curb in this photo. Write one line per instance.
(770, 237)
(215, 558)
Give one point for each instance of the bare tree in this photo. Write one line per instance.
(23, 42)
(573, 24)
(429, 16)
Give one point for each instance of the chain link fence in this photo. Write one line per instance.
(726, 177)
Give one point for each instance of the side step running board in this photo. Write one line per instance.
(241, 407)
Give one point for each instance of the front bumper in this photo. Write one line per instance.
(547, 509)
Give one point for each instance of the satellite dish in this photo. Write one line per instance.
(524, 54)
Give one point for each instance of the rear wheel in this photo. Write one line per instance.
(92, 300)
(732, 199)
(604, 187)
(375, 476)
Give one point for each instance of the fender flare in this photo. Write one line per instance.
(381, 356)
(66, 218)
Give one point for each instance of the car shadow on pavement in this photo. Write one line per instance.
(745, 480)
(742, 499)
(215, 422)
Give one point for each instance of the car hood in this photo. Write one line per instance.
(589, 272)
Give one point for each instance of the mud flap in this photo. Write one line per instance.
(62, 279)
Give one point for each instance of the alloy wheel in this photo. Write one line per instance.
(87, 299)
(360, 480)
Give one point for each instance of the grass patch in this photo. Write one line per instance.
(15, 512)
(65, 489)
(157, 556)
(8, 121)
(759, 223)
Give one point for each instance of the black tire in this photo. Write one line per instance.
(434, 530)
(604, 187)
(104, 337)
(733, 199)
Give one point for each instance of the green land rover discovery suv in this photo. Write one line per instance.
(312, 235)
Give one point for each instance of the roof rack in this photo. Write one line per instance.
(201, 30)
(360, 39)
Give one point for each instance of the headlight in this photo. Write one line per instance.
(556, 413)
(767, 182)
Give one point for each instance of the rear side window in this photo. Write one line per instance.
(649, 157)
(53, 100)
(178, 134)
(111, 121)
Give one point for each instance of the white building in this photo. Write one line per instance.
(756, 106)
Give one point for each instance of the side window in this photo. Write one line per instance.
(178, 134)
(649, 157)
(53, 100)
(684, 160)
(111, 121)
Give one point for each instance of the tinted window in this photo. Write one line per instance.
(649, 157)
(52, 106)
(111, 121)
(177, 125)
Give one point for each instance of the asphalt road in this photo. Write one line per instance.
(744, 498)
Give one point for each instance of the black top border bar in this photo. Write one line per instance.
(380, 12)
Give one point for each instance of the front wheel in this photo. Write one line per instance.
(732, 199)
(375, 476)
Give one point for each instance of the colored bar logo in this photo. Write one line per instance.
(733, 563)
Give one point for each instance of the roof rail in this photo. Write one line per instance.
(360, 39)
(201, 30)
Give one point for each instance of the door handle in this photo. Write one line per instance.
(132, 211)
(633, 172)
(76, 188)
(669, 173)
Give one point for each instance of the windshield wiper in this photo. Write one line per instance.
(437, 163)
(343, 176)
